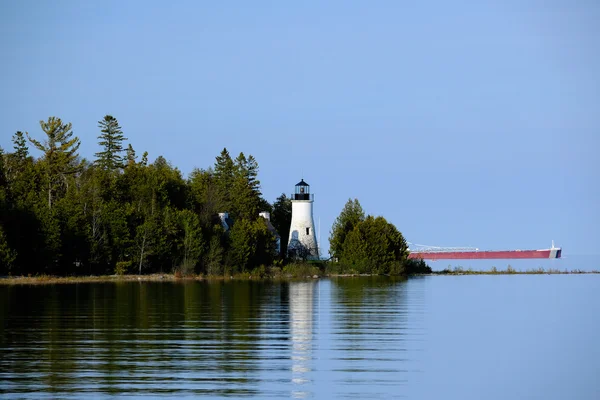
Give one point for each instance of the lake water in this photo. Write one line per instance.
(451, 337)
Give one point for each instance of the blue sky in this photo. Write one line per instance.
(463, 123)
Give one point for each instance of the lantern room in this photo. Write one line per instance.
(302, 191)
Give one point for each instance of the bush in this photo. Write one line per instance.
(185, 269)
(337, 268)
(301, 270)
(122, 267)
(415, 266)
(259, 272)
(399, 269)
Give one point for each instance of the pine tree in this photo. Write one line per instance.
(3, 181)
(375, 246)
(281, 218)
(60, 153)
(351, 215)
(111, 139)
(192, 243)
(223, 177)
(20, 146)
(245, 188)
(130, 155)
(3, 186)
(7, 255)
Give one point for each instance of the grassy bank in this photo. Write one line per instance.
(288, 272)
(510, 271)
(51, 279)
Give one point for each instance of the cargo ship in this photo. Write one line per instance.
(470, 253)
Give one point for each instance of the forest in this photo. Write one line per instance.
(61, 214)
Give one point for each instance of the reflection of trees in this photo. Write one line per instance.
(131, 337)
(301, 321)
(370, 328)
(362, 299)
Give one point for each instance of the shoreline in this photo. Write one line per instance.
(50, 280)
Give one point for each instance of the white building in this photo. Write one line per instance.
(303, 239)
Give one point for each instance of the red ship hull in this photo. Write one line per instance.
(492, 254)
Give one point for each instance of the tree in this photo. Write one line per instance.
(213, 259)
(192, 245)
(351, 215)
(7, 255)
(144, 160)
(252, 245)
(245, 188)
(203, 196)
(17, 162)
(281, 218)
(144, 240)
(223, 177)
(20, 146)
(60, 153)
(111, 139)
(3, 180)
(375, 246)
(130, 155)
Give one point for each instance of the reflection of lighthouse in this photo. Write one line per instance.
(301, 314)
(303, 239)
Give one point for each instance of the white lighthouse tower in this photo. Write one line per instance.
(303, 239)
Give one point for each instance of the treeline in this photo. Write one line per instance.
(370, 245)
(61, 214)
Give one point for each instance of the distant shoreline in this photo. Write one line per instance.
(49, 279)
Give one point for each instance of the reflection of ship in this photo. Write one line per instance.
(469, 253)
(301, 318)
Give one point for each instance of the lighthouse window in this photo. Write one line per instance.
(308, 231)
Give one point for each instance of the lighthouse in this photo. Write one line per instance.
(303, 239)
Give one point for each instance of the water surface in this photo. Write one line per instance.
(466, 337)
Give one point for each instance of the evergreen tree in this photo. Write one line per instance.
(60, 154)
(144, 160)
(7, 255)
(3, 180)
(111, 139)
(223, 176)
(252, 245)
(204, 197)
(192, 245)
(351, 215)
(245, 189)
(16, 162)
(375, 246)
(20, 146)
(213, 259)
(130, 155)
(281, 218)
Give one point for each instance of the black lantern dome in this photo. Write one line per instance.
(302, 191)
